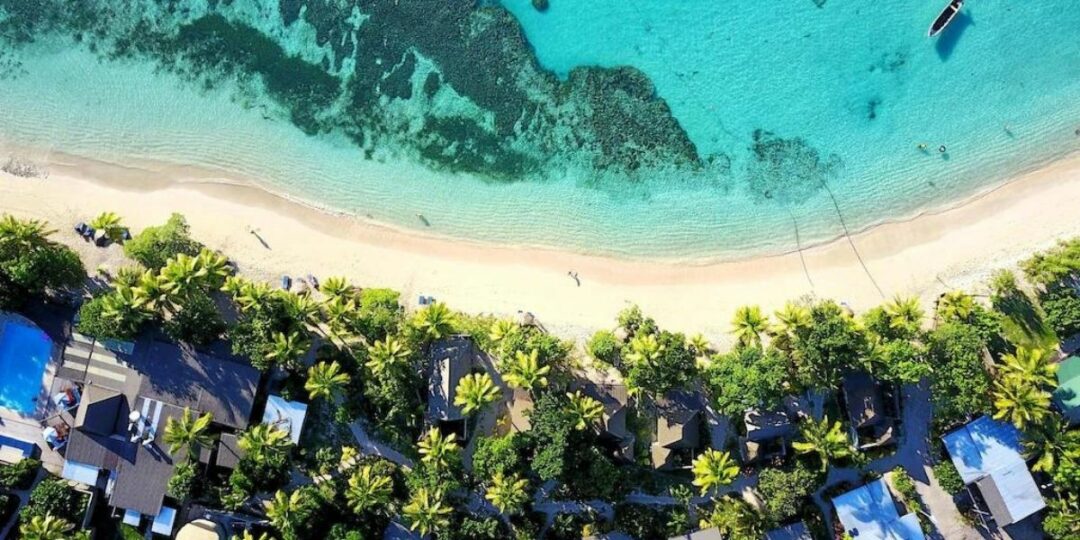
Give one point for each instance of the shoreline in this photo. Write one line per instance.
(951, 247)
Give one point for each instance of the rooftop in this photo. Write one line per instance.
(1068, 392)
(869, 513)
(989, 454)
(451, 360)
(863, 399)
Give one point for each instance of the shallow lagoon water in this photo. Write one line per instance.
(809, 118)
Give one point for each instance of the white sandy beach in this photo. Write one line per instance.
(952, 248)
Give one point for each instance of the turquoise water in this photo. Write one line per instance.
(771, 126)
(24, 353)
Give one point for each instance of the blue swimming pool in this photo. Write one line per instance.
(24, 353)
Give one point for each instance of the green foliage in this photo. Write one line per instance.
(379, 313)
(1062, 521)
(786, 490)
(498, 455)
(830, 345)
(475, 528)
(111, 316)
(551, 435)
(960, 385)
(19, 475)
(747, 377)
(633, 320)
(1054, 265)
(641, 521)
(657, 363)
(154, 246)
(1023, 322)
(52, 496)
(948, 477)
(735, 519)
(1061, 303)
(184, 480)
(604, 347)
(904, 485)
(31, 264)
(197, 322)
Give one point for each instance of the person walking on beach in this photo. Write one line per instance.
(574, 275)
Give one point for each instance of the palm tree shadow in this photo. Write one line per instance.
(946, 43)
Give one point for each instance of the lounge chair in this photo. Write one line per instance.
(80, 228)
(313, 281)
(422, 300)
(88, 233)
(286, 282)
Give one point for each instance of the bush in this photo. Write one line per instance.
(19, 475)
(127, 532)
(949, 477)
(183, 481)
(960, 385)
(154, 246)
(197, 322)
(1062, 307)
(497, 455)
(54, 497)
(785, 491)
(904, 485)
(640, 521)
(604, 347)
(94, 323)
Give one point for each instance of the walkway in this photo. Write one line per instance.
(369, 446)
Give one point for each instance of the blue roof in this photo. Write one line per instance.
(285, 415)
(988, 448)
(869, 513)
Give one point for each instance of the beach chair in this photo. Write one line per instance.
(313, 281)
(286, 282)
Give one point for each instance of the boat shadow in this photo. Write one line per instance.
(948, 39)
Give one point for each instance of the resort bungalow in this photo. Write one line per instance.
(872, 423)
(869, 513)
(795, 531)
(615, 398)
(451, 359)
(1067, 394)
(989, 456)
(116, 437)
(518, 408)
(679, 423)
(767, 435)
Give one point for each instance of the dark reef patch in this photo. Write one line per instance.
(512, 119)
(788, 170)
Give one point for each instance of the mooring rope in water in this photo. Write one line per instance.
(847, 234)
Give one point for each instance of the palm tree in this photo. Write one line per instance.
(149, 293)
(587, 411)
(735, 519)
(792, 318)
(503, 329)
(340, 314)
(286, 350)
(109, 224)
(388, 355)
(188, 431)
(426, 512)
(828, 441)
(325, 380)
(526, 372)
(264, 443)
(644, 349)
(955, 306)
(699, 344)
(905, 314)
(435, 321)
(335, 288)
(249, 296)
(301, 308)
(121, 308)
(748, 325)
(1029, 364)
(215, 268)
(23, 235)
(1020, 401)
(182, 276)
(714, 469)
(437, 449)
(474, 392)
(367, 490)
(47, 527)
(1051, 442)
(508, 494)
(287, 513)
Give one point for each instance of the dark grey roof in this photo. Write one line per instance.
(795, 531)
(229, 452)
(995, 502)
(863, 399)
(141, 484)
(765, 425)
(99, 410)
(184, 378)
(105, 452)
(680, 406)
(451, 360)
(614, 398)
(711, 533)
